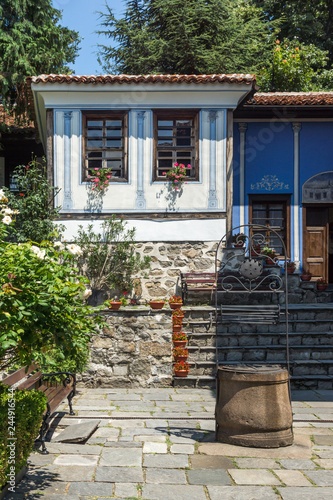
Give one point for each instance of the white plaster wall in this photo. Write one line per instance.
(159, 196)
(159, 230)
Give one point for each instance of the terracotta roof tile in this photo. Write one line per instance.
(291, 99)
(137, 79)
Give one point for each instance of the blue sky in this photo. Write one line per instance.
(82, 16)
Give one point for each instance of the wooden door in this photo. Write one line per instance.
(315, 242)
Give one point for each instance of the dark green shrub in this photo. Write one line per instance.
(28, 410)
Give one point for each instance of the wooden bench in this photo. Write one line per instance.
(32, 378)
(196, 282)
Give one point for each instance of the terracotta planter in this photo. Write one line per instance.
(269, 262)
(305, 277)
(180, 358)
(321, 286)
(255, 252)
(176, 305)
(114, 305)
(181, 373)
(238, 245)
(154, 304)
(177, 328)
(290, 270)
(179, 343)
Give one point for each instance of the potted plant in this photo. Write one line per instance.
(180, 354)
(181, 369)
(270, 256)
(177, 323)
(177, 175)
(175, 302)
(306, 275)
(114, 304)
(255, 250)
(156, 304)
(291, 266)
(321, 284)
(238, 240)
(179, 339)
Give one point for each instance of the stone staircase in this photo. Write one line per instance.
(310, 345)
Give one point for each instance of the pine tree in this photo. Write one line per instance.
(32, 41)
(186, 37)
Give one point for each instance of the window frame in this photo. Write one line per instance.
(176, 114)
(284, 199)
(112, 115)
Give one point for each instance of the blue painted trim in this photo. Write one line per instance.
(224, 206)
(67, 202)
(140, 203)
(212, 199)
(292, 229)
(151, 131)
(129, 150)
(200, 146)
(81, 182)
(301, 236)
(55, 170)
(40, 128)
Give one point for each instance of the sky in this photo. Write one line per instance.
(82, 16)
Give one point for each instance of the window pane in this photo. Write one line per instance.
(94, 154)
(183, 141)
(165, 133)
(165, 163)
(94, 123)
(113, 143)
(114, 164)
(94, 164)
(95, 132)
(94, 143)
(113, 154)
(165, 142)
(165, 123)
(113, 123)
(113, 132)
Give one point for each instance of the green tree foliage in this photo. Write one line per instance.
(43, 316)
(108, 258)
(310, 21)
(186, 37)
(34, 202)
(32, 41)
(295, 67)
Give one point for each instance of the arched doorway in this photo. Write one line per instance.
(317, 200)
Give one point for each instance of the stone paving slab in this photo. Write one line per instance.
(292, 477)
(297, 464)
(323, 440)
(126, 490)
(165, 476)
(256, 463)
(90, 489)
(121, 457)
(206, 462)
(173, 492)
(208, 476)
(325, 463)
(321, 477)
(119, 475)
(241, 493)
(165, 461)
(155, 447)
(303, 493)
(78, 460)
(252, 477)
(80, 449)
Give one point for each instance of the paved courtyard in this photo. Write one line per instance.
(158, 444)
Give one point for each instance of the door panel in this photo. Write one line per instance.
(315, 256)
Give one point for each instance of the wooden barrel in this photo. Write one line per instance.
(253, 406)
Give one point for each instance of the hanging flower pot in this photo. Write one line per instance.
(180, 354)
(179, 339)
(181, 373)
(177, 328)
(306, 275)
(321, 284)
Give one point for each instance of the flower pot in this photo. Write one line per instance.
(177, 328)
(290, 270)
(114, 305)
(181, 373)
(255, 252)
(156, 304)
(179, 343)
(238, 245)
(305, 277)
(321, 286)
(176, 305)
(269, 262)
(180, 358)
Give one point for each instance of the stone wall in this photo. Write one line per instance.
(168, 260)
(135, 350)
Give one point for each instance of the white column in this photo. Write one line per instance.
(68, 203)
(212, 200)
(140, 195)
(296, 129)
(242, 130)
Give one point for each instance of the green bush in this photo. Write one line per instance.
(20, 433)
